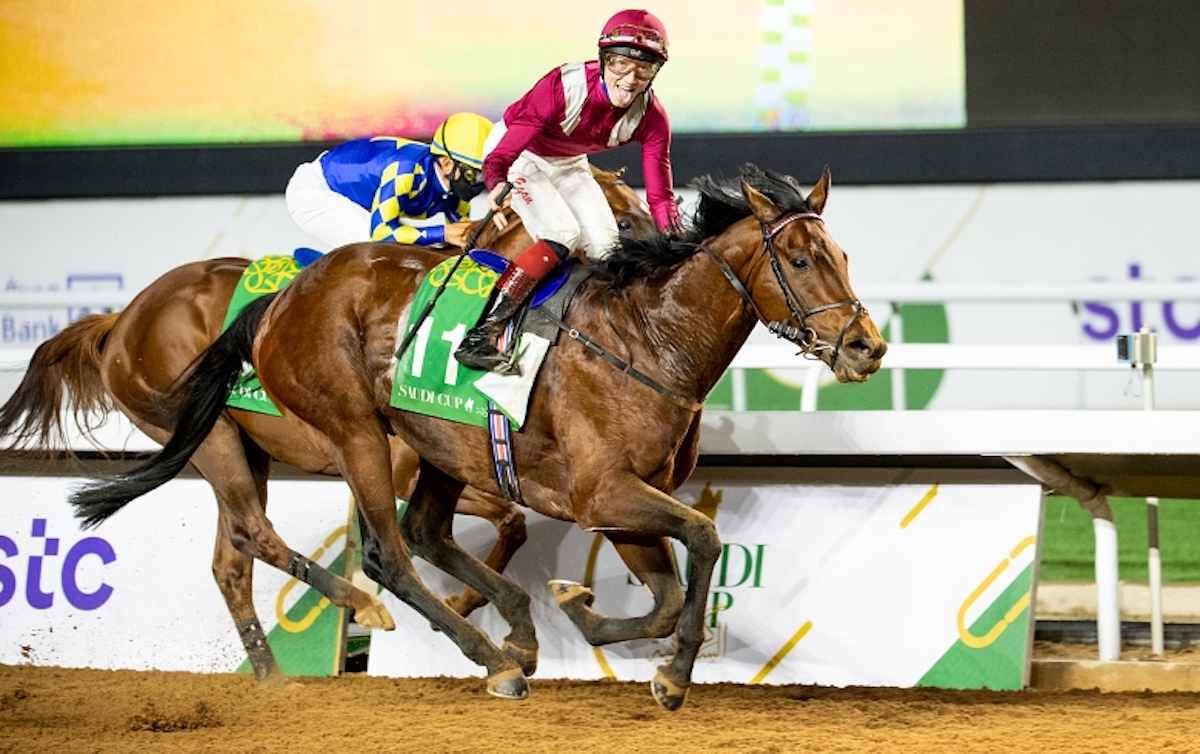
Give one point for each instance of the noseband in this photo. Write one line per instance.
(811, 345)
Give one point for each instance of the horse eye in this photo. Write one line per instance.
(800, 263)
(625, 225)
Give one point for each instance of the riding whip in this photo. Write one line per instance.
(416, 325)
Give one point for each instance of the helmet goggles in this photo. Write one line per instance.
(642, 42)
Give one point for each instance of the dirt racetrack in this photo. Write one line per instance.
(57, 710)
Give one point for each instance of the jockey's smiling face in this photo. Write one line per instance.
(626, 78)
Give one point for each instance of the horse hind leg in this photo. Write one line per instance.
(427, 527)
(509, 522)
(507, 518)
(651, 561)
(238, 473)
(234, 572)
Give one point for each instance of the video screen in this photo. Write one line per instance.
(145, 72)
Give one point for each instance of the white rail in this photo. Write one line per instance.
(896, 293)
(963, 356)
(984, 293)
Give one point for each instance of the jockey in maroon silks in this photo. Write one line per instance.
(541, 148)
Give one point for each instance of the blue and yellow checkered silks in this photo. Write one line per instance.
(393, 179)
(461, 137)
(409, 188)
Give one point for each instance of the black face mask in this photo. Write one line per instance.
(465, 182)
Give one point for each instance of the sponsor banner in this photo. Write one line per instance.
(834, 585)
(138, 593)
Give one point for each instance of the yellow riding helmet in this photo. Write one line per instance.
(461, 138)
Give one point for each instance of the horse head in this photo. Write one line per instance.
(630, 211)
(813, 304)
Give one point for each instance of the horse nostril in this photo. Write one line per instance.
(868, 349)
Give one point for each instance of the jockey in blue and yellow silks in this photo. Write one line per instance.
(373, 189)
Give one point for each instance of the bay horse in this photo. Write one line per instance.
(133, 361)
(600, 446)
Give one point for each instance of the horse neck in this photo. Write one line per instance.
(694, 321)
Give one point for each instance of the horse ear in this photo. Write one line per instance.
(816, 198)
(764, 209)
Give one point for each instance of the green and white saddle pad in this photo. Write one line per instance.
(266, 275)
(428, 380)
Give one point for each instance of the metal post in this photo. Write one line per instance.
(1155, 567)
(812, 386)
(737, 383)
(1092, 499)
(899, 384)
(1144, 357)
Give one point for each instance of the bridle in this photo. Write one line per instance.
(811, 345)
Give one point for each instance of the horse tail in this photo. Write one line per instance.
(63, 374)
(202, 397)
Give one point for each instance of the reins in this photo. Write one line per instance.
(466, 249)
(622, 365)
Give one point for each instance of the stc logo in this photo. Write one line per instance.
(39, 582)
(1104, 321)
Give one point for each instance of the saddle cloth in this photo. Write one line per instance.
(428, 380)
(266, 275)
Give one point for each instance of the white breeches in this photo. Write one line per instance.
(335, 220)
(559, 200)
(322, 212)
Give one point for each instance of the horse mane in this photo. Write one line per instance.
(721, 204)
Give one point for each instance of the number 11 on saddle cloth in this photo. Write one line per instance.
(428, 380)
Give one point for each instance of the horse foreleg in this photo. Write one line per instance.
(651, 560)
(364, 463)
(626, 503)
(427, 526)
(507, 517)
(509, 520)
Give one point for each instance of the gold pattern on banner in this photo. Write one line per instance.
(269, 274)
(782, 653)
(709, 501)
(296, 626)
(920, 506)
(979, 642)
(472, 279)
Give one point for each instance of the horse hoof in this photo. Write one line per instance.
(669, 695)
(374, 616)
(509, 684)
(569, 591)
(275, 680)
(526, 658)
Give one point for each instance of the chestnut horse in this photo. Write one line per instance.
(600, 446)
(134, 359)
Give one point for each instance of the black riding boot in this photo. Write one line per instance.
(478, 349)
